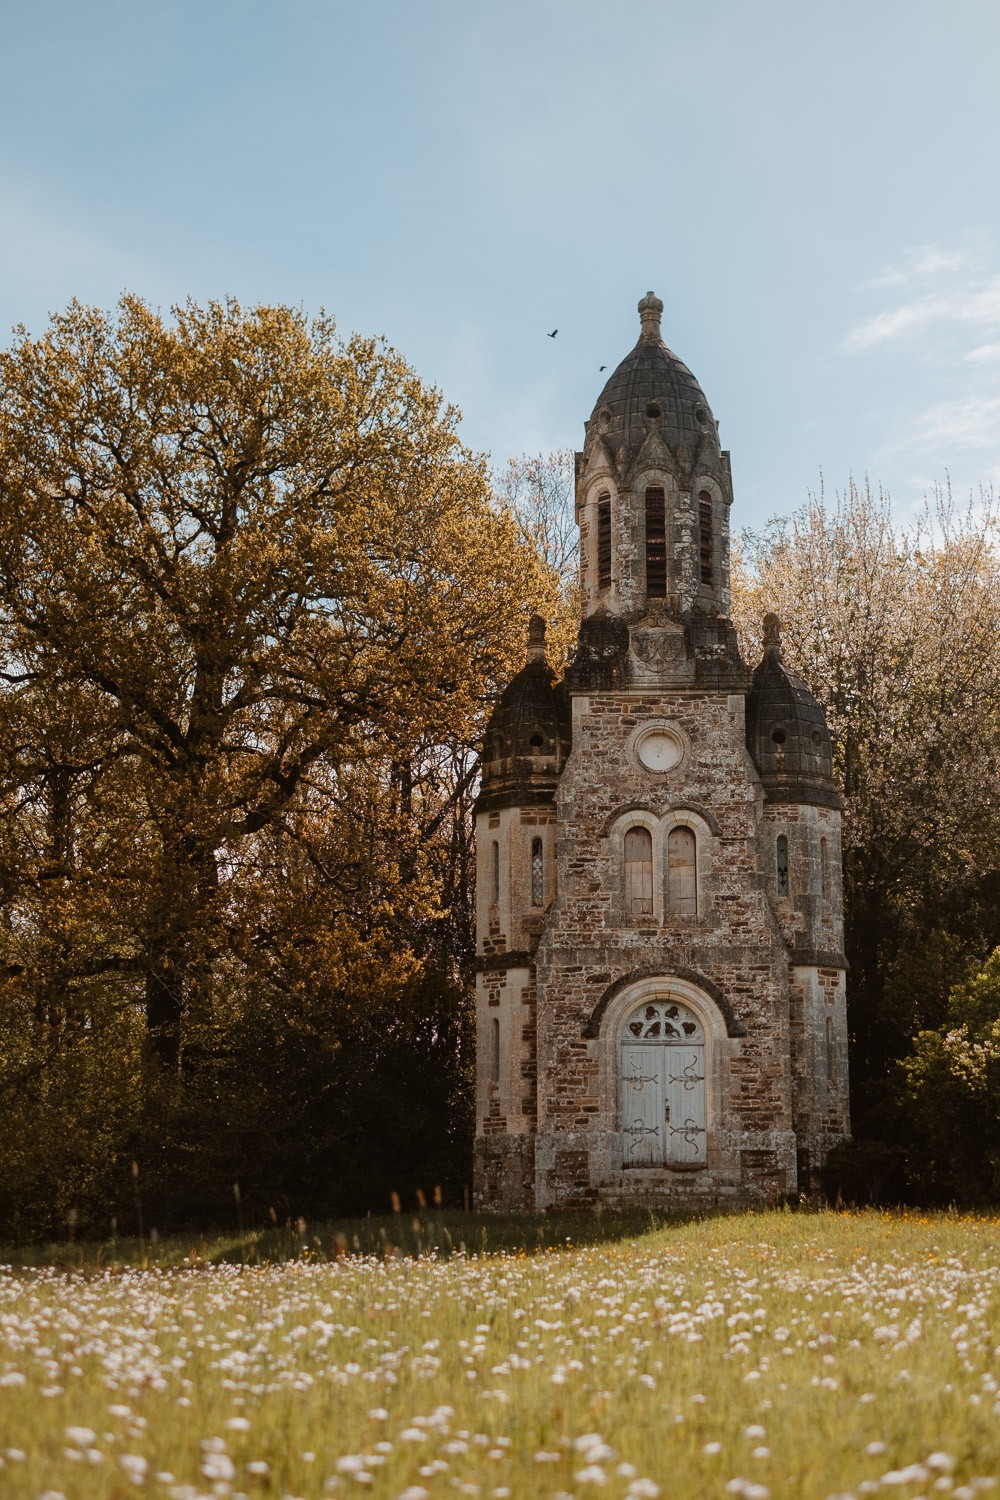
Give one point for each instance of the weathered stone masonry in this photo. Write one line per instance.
(661, 1009)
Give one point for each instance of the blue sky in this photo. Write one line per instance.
(811, 188)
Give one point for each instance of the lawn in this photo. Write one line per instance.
(781, 1354)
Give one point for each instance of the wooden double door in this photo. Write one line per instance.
(663, 1087)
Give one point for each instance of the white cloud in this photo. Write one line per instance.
(926, 261)
(970, 422)
(983, 353)
(958, 306)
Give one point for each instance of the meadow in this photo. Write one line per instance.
(775, 1354)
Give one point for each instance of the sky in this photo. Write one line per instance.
(811, 187)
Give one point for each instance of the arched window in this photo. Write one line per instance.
(496, 872)
(537, 873)
(656, 544)
(604, 542)
(663, 1087)
(782, 853)
(638, 872)
(706, 539)
(682, 873)
(495, 1051)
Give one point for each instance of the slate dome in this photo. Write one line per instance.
(786, 731)
(650, 387)
(528, 736)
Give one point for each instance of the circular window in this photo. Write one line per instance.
(536, 742)
(817, 738)
(653, 409)
(778, 735)
(660, 750)
(700, 415)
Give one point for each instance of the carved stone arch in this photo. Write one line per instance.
(688, 977)
(599, 464)
(645, 1079)
(627, 810)
(675, 812)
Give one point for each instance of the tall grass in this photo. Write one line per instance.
(775, 1354)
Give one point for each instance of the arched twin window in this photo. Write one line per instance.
(682, 873)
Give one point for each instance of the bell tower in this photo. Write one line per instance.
(653, 493)
(661, 982)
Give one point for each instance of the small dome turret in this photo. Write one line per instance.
(786, 731)
(528, 736)
(651, 387)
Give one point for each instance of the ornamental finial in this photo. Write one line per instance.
(650, 309)
(772, 636)
(536, 638)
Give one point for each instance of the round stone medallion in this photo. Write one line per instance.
(660, 749)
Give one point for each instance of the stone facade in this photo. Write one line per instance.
(661, 992)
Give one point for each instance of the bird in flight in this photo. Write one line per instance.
(603, 367)
(553, 333)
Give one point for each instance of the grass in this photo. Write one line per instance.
(775, 1354)
(442, 1232)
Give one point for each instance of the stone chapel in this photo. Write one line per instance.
(661, 981)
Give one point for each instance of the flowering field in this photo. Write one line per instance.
(776, 1354)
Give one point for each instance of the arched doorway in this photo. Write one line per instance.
(663, 1086)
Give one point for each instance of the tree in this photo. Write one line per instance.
(255, 598)
(953, 1084)
(538, 491)
(893, 628)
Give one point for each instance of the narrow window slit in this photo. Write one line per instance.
(706, 538)
(656, 544)
(782, 851)
(537, 873)
(604, 542)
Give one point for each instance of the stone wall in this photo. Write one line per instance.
(729, 960)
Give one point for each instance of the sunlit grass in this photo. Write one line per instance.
(783, 1354)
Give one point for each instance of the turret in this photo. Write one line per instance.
(653, 492)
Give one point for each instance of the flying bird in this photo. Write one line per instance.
(553, 333)
(603, 367)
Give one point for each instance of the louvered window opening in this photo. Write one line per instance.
(537, 873)
(682, 873)
(496, 872)
(706, 538)
(656, 544)
(638, 872)
(495, 1051)
(604, 542)
(782, 852)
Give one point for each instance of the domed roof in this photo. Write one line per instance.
(786, 731)
(651, 384)
(528, 736)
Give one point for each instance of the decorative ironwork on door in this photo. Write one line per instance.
(663, 1086)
